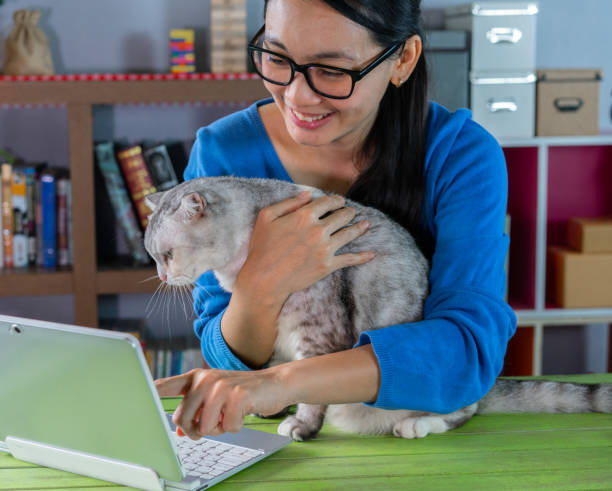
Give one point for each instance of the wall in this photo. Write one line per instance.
(131, 36)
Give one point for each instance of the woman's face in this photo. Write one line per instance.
(309, 31)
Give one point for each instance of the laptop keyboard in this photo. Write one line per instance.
(208, 459)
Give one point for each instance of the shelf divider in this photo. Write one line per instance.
(80, 130)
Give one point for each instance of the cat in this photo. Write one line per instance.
(206, 224)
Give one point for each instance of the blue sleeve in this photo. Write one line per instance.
(451, 358)
(210, 300)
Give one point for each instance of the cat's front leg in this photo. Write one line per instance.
(306, 422)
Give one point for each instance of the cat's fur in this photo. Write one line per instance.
(207, 223)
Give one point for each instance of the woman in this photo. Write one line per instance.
(367, 132)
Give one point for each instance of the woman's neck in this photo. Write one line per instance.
(330, 167)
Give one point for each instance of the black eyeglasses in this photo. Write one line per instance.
(325, 80)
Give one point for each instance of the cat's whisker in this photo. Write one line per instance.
(188, 298)
(152, 301)
(181, 291)
(149, 278)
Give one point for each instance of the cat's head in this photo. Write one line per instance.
(185, 231)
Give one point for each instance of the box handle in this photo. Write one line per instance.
(509, 35)
(568, 104)
(502, 105)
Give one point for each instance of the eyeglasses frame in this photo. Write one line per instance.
(356, 75)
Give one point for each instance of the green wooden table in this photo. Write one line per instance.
(492, 452)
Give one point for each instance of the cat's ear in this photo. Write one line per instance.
(192, 206)
(152, 200)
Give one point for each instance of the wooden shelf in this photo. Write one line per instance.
(79, 94)
(127, 90)
(128, 280)
(35, 281)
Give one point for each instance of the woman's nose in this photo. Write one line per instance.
(300, 93)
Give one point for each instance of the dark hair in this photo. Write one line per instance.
(393, 153)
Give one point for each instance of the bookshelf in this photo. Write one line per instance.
(551, 179)
(79, 94)
(535, 166)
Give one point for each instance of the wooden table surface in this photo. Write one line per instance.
(490, 452)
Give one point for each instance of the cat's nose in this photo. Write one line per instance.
(163, 276)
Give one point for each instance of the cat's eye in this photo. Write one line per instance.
(167, 255)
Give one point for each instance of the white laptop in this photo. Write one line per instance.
(83, 400)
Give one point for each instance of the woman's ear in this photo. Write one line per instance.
(404, 65)
(192, 207)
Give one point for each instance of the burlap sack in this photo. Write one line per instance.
(27, 47)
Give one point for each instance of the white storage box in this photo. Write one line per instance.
(503, 34)
(505, 104)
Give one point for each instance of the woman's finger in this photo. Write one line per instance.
(287, 206)
(325, 204)
(345, 260)
(338, 219)
(173, 386)
(211, 415)
(348, 234)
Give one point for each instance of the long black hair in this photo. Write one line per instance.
(393, 154)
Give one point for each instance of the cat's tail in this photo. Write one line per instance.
(543, 396)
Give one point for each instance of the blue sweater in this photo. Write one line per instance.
(451, 358)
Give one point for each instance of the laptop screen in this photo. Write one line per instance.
(82, 389)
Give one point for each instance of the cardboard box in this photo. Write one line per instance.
(580, 280)
(590, 234)
(568, 102)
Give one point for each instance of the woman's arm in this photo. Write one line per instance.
(217, 401)
(291, 248)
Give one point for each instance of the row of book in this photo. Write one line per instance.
(36, 219)
(130, 174)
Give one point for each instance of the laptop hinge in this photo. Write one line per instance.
(90, 465)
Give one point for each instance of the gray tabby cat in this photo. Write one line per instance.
(206, 224)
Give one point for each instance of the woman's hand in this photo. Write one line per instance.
(292, 247)
(216, 401)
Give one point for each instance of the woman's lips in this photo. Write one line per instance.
(309, 121)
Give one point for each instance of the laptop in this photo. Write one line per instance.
(83, 400)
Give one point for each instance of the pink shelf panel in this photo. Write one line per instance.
(579, 185)
(522, 165)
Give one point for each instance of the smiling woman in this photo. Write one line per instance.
(349, 115)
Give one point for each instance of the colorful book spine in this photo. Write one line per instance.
(48, 214)
(1, 221)
(20, 239)
(161, 168)
(7, 214)
(39, 218)
(120, 201)
(182, 56)
(63, 257)
(30, 174)
(138, 179)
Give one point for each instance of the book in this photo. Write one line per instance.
(62, 186)
(48, 219)
(19, 205)
(120, 201)
(178, 157)
(7, 214)
(160, 166)
(1, 221)
(30, 173)
(138, 180)
(39, 215)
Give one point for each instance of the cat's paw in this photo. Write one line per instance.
(297, 429)
(419, 427)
